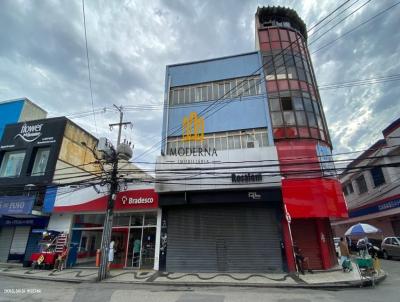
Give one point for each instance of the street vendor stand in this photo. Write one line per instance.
(367, 266)
(48, 250)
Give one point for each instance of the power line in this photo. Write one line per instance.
(357, 27)
(88, 65)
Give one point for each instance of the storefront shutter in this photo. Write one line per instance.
(223, 239)
(20, 240)
(6, 236)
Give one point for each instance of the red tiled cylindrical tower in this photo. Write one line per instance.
(311, 193)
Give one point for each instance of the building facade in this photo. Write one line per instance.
(245, 165)
(371, 186)
(37, 156)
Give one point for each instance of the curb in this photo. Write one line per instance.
(337, 285)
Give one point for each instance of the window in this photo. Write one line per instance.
(350, 188)
(12, 164)
(377, 176)
(41, 158)
(361, 184)
(286, 104)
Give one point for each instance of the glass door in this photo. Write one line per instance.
(148, 247)
(134, 248)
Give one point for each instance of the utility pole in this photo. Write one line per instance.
(121, 123)
(108, 220)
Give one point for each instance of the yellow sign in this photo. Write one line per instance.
(193, 128)
(40, 259)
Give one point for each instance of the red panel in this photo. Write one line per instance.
(305, 236)
(286, 45)
(303, 86)
(272, 86)
(297, 156)
(283, 85)
(294, 85)
(279, 133)
(284, 35)
(318, 197)
(265, 46)
(136, 199)
(276, 45)
(263, 36)
(273, 33)
(288, 246)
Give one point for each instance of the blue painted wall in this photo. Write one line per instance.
(250, 112)
(10, 113)
(214, 70)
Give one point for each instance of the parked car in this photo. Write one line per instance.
(391, 247)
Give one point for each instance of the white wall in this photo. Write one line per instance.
(60, 222)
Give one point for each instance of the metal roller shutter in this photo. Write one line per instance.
(6, 236)
(223, 239)
(20, 240)
(396, 227)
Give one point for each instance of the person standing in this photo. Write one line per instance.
(344, 248)
(110, 255)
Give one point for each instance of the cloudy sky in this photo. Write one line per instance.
(43, 58)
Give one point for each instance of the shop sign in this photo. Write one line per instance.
(391, 204)
(246, 177)
(30, 133)
(16, 205)
(136, 199)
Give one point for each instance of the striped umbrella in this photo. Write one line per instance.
(361, 229)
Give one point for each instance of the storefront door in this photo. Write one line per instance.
(141, 248)
(120, 237)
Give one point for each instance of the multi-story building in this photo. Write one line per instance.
(36, 156)
(371, 186)
(245, 168)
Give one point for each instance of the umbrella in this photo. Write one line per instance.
(361, 229)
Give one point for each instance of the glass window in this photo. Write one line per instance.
(215, 91)
(273, 34)
(231, 144)
(246, 88)
(301, 74)
(150, 219)
(136, 219)
(289, 117)
(292, 73)
(308, 105)
(224, 145)
(41, 158)
(286, 103)
(361, 184)
(311, 119)
(281, 73)
(377, 176)
(218, 143)
(350, 188)
(236, 141)
(277, 119)
(209, 94)
(227, 90)
(221, 91)
(12, 164)
(259, 139)
(298, 103)
(316, 110)
(275, 106)
(121, 220)
(301, 118)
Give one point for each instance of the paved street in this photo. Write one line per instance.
(35, 290)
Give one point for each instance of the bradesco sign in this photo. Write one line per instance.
(136, 199)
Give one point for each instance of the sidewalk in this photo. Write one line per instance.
(323, 279)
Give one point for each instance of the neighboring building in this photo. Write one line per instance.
(373, 191)
(35, 156)
(19, 110)
(224, 205)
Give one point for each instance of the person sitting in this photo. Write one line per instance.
(301, 261)
(59, 264)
